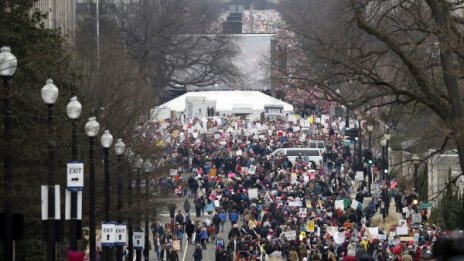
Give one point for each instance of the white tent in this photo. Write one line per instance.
(196, 104)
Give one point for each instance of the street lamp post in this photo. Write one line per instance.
(92, 127)
(106, 141)
(73, 110)
(119, 149)
(147, 167)
(359, 119)
(415, 159)
(138, 166)
(370, 128)
(8, 64)
(49, 95)
(383, 143)
(130, 228)
(387, 161)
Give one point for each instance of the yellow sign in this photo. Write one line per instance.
(302, 235)
(310, 226)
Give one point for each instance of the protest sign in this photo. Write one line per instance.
(339, 204)
(373, 231)
(356, 204)
(295, 203)
(217, 203)
(359, 175)
(253, 193)
(252, 170)
(290, 235)
(310, 226)
(402, 231)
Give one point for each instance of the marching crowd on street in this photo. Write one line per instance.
(250, 204)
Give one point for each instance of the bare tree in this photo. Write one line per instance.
(169, 40)
(404, 52)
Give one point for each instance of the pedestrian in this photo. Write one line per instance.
(186, 206)
(198, 253)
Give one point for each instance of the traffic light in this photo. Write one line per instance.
(352, 133)
(368, 157)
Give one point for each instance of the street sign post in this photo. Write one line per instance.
(139, 240)
(121, 235)
(108, 234)
(75, 175)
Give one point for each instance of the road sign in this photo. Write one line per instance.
(108, 234)
(77, 213)
(425, 205)
(139, 241)
(121, 235)
(75, 175)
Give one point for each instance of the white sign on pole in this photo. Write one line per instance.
(75, 175)
(173, 172)
(78, 212)
(44, 197)
(253, 193)
(108, 234)
(359, 175)
(139, 241)
(120, 238)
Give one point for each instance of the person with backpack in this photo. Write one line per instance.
(198, 254)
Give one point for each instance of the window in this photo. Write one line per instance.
(296, 153)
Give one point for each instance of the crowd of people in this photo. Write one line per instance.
(277, 207)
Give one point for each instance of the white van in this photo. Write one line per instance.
(308, 154)
(317, 144)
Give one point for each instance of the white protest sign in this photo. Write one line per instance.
(295, 203)
(382, 237)
(173, 172)
(120, 238)
(359, 175)
(374, 231)
(303, 212)
(339, 204)
(290, 235)
(416, 239)
(108, 234)
(253, 193)
(339, 238)
(405, 210)
(217, 203)
(139, 240)
(402, 231)
(356, 204)
(75, 175)
(332, 230)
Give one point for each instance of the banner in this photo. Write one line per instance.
(310, 226)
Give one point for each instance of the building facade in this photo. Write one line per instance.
(61, 15)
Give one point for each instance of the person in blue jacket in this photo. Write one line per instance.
(233, 217)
